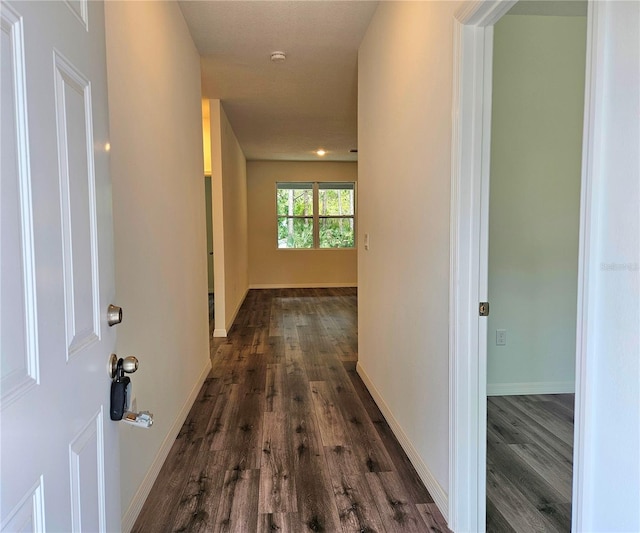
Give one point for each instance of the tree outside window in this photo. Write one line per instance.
(316, 215)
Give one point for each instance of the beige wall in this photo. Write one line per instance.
(536, 151)
(159, 223)
(230, 234)
(404, 125)
(271, 267)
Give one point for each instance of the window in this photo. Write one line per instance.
(336, 214)
(295, 215)
(316, 215)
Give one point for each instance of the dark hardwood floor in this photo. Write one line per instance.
(529, 463)
(284, 437)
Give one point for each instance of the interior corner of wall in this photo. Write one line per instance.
(231, 317)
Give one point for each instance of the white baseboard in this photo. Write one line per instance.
(219, 332)
(302, 285)
(519, 389)
(131, 514)
(437, 493)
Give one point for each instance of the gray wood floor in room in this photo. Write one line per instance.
(284, 437)
(529, 463)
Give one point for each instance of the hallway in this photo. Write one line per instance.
(284, 436)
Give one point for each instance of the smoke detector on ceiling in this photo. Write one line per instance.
(278, 57)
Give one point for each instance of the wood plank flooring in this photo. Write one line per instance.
(529, 463)
(284, 437)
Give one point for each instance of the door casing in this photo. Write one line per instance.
(472, 72)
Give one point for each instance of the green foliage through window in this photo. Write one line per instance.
(316, 215)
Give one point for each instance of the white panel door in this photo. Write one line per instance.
(60, 455)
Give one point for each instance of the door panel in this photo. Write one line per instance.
(86, 457)
(29, 513)
(59, 448)
(77, 190)
(18, 332)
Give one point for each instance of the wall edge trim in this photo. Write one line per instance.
(131, 514)
(435, 490)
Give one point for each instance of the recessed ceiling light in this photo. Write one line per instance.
(278, 57)
(321, 152)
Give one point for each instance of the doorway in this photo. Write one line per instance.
(210, 271)
(473, 55)
(538, 73)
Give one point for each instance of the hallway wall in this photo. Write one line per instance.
(404, 124)
(230, 234)
(536, 155)
(273, 267)
(404, 170)
(159, 224)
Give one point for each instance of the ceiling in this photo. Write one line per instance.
(283, 111)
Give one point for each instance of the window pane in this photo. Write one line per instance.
(295, 232)
(336, 199)
(295, 199)
(336, 233)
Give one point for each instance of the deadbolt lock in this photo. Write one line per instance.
(114, 315)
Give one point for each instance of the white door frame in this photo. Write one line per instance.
(472, 70)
